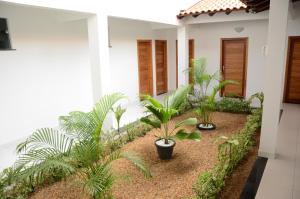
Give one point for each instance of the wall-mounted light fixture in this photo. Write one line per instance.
(239, 29)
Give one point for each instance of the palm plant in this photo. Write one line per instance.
(201, 83)
(201, 80)
(162, 114)
(77, 148)
(118, 112)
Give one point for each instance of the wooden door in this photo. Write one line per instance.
(144, 48)
(176, 64)
(292, 81)
(191, 57)
(161, 66)
(234, 65)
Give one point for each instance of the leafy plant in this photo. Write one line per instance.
(164, 112)
(79, 150)
(233, 105)
(231, 151)
(118, 112)
(201, 82)
(208, 104)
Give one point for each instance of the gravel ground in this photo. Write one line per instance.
(171, 179)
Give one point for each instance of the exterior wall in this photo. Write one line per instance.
(48, 74)
(123, 54)
(207, 44)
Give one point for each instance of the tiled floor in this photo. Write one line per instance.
(281, 179)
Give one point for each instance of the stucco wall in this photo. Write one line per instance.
(207, 44)
(47, 75)
(123, 54)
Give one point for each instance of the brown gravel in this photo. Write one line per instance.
(171, 179)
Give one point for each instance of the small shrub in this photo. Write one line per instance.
(230, 152)
(233, 105)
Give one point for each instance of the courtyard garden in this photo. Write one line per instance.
(191, 145)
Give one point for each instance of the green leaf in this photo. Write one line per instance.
(235, 142)
(151, 101)
(196, 136)
(181, 134)
(138, 162)
(189, 121)
(155, 124)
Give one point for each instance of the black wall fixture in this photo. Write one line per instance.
(4, 35)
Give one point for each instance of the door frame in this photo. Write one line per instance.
(245, 62)
(150, 71)
(166, 64)
(193, 41)
(289, 55)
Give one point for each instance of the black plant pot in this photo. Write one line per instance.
(165, 152)
(210, 126)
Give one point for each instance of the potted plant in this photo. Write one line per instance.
(168, 130)
(201, 84)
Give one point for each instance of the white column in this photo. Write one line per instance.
(274, 74)
(183, 55)
(99, 55)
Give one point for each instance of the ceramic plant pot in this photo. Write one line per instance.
(206, 127)
(165, 151)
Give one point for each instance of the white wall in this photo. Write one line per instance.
(207, 44)
(48, 74)
(123, 54)
(155, 10)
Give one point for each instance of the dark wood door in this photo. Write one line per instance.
(191, 57)
(144, 48)
(161, 66)
(292, 82)
(234, 65)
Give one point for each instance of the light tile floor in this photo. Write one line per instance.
(281, 179)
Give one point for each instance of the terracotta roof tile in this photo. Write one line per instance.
(207, 6)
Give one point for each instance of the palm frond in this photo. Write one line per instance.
(101, 109)
(176, 99)
(47, 139)
(86, 153)
(97, 180)
(137, 161)
(218, 87)
(78, 123)
(49, 166)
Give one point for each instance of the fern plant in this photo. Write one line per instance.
(76, 148)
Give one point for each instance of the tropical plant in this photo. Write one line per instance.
(77, 148)
(208, 103)
(201, 82)
(164, 112)
(118, 112)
